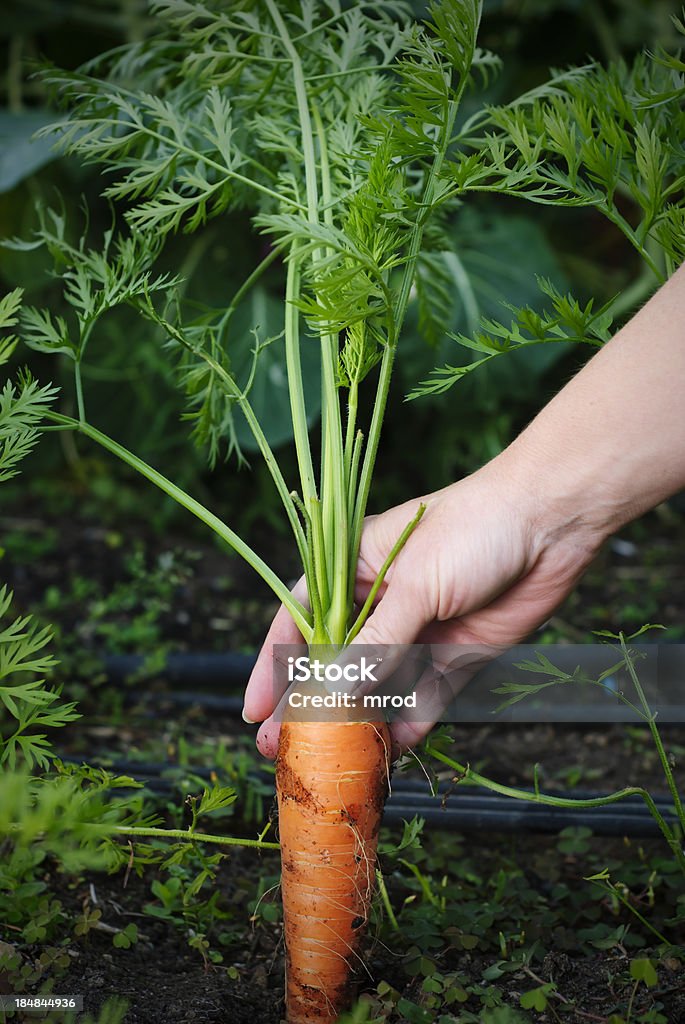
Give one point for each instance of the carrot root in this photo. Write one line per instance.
(331, 782)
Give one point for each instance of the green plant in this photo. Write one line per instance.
(363, 146)
(113, 1011)
(576, 840)
(27, 702)
(66, 814)
(554, 676)
(126, 616)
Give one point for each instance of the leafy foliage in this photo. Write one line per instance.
(94, 281)
(23, 662)
(674, 65)
(566, 321)
(185, 149)
(23, 405)
(582, 139)
(10, 305)
(27, 701)
(192, 140)
(70, 813)
(347, 170)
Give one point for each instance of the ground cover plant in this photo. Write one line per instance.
(350, 172)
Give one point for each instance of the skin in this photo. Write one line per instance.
(497, 552)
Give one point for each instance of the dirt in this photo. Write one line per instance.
(163, 980)
(163, 984)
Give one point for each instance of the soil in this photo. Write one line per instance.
(218, 606)
(163, 985)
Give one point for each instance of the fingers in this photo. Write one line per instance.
(262, 694)
(267, 738)
(398, 618)
(407, 734)
(450, 667)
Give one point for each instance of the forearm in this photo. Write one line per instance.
(611, 444)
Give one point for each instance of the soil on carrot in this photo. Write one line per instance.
(499, 929)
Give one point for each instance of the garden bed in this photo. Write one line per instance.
(486, 922)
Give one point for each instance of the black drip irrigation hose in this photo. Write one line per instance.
(221, 670)
(456, 810)
(461, 810)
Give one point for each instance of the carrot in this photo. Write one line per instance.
(331, 781)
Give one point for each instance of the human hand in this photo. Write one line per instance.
(486, 565)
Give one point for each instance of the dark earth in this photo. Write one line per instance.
(213, 603)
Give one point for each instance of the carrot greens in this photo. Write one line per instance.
(338, 129)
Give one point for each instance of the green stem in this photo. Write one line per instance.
(317, 595)
(295, 387)
(298, 612)
(465, 772)
(614, 891)
(310, 566)
(310, 571)
(194, 837)
(256, 58)
(334, 497)
(352, 485)
(247, 284)
(351, 496)
(622, 224)
(350, 434)
(303, 110)
(321, 26)
(656, 735)
(319, 555)
(327, 511)
(426, 887)
(252, 422)
(382, 888)
(399, 314)
(378, 582)
(612, 215)
(80, 404)
(332, 476)
(629, 1011)
(373, 68)
(366, 473)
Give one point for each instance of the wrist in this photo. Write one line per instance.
(557, 499)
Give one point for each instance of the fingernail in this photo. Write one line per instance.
(250, 721)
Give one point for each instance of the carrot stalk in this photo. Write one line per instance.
(331, 782)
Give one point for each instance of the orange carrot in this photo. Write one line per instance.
(331, 781)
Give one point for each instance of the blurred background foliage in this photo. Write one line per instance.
(499, 245)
